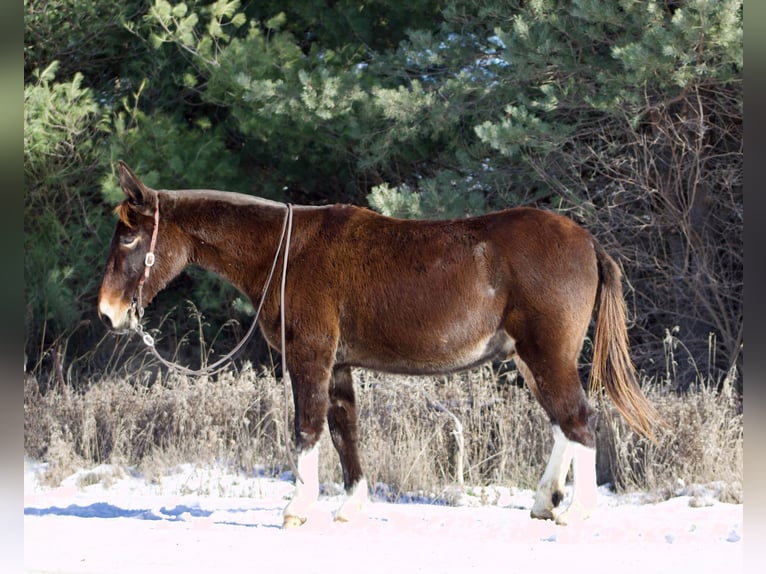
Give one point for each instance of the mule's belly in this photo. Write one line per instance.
(437, 355)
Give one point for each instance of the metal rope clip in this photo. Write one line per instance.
(149, 259)
(145, 337)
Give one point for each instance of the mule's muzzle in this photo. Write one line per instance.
(116, 329)
(120, 319)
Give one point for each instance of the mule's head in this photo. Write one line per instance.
(131, 278)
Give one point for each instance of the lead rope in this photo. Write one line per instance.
(285, 372)
(223, 361)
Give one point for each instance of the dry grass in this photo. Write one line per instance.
(409, 430)
(702, 443)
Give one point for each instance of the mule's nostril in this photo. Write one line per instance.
(109, 314)
(106, 319)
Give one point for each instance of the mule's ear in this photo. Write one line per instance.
(140, 197)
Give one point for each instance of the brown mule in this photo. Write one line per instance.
(410, 297)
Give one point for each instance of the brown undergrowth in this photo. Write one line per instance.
(416, 433)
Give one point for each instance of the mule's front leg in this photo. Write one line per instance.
(310, 395)
(344, 430)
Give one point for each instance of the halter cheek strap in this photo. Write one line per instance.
(149, 260)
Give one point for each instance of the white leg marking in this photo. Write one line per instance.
(354, 503)
(306, 491)
(554, 476)
(584, 495)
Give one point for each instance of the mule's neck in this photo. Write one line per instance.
(232, 235)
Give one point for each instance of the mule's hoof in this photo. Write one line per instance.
(350, 511)
(572, 515)
(292, 522)
(354, 504)
(544, 514)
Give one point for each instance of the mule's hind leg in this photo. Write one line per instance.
(344, 429)
(584, 496)
(561, 395)
(550, 490)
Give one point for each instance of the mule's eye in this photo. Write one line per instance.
(129, 241)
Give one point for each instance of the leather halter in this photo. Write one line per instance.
(149, 260)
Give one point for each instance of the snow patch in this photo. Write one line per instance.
(111, 519)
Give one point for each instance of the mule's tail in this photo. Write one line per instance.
(612, 367)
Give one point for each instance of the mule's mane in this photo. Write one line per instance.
(123, 210)
(223, 196)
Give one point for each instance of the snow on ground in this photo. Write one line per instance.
(105, 520)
